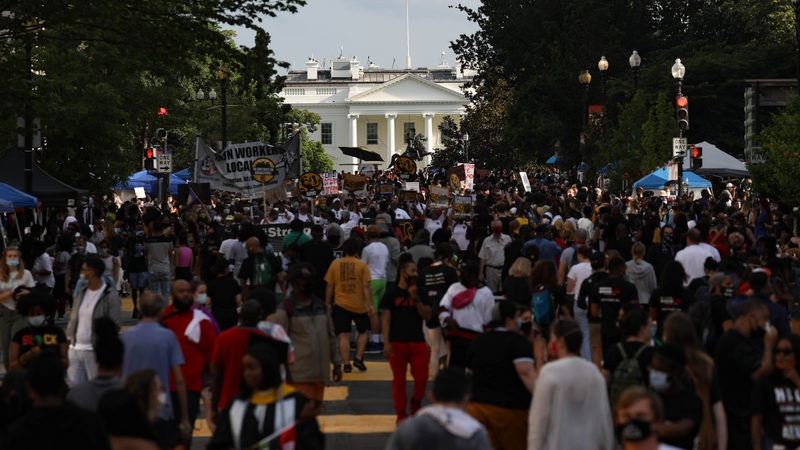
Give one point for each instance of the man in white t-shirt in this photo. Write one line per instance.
(575, 278)
(93, 299)
(464, 312)
(434, 223)
(376, 255)
(693, 257)
(347, 225)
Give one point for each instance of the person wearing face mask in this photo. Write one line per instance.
(135, 264)
(111, 274)
(638, 412)
(740, 365)
(305, 318)
(200, 295)
(39, 336)
(12, 276)
(720, 290)
(402, 316)
(773, 402)
(569, 391)
(464, 311)
(683, 409)
(149, 345)
(196, 336)
(492, 257)
(42, 269)
(72, 275)
(502, 366)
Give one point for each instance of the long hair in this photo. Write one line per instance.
(108, 230)
(672, 279)
(679, 330)
(5, 272)
(521, 268)
(142, 384)
(544, 273)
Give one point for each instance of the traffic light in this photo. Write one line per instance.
(150, 158)
(162, 111)
(161, 133)
(697, 158)
(749, 119)
(289, 131)
(682, 104)
(460, 147)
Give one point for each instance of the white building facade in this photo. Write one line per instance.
(375, 108)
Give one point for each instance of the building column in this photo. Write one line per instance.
(353, 129)
(390, 133)
(429, 135)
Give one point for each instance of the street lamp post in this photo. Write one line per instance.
(223, 78)
(635, 61)
(796, 5)
(466, 146)
(584, 79)
(678, 71)
(603, 66)
(28, 119)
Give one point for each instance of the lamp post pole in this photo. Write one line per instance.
(28, 119)
(635, 61)
(466, 147)
(584, 79)
(678, 71)
(223, 78)
(796, 5)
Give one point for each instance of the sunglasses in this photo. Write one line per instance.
(784, 351)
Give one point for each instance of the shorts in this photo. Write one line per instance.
(378, 288)
(139, 280)
(342, 319)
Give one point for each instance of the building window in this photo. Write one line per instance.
(327, 133)
(326, 91)
(294, 91)
(407, 126)
(372, 133)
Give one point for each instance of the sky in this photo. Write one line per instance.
(366, 28)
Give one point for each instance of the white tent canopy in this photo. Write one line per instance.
(717, 162)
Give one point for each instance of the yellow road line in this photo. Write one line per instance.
(335, 393)
(364, 424)
(376, 371)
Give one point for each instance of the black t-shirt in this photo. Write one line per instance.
(586, 290)
(683, 405)
(223, 291)
(518, 290)
(697, 283)
(261, 269)
(613, 357)
(48, 337)
(736, 359)
(208, 258)
(720, 314)
(137, 261)
(611, 294)
(406, 323)
(667, 304)
(776, 398)
(319, 254)
(433, 282)
(491, 358)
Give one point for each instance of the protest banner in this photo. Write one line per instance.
(368, 169)
(310, 184)
(412, 186)
(462, 207)
(407, 196)
(438, 198)
(331, 182)
(405, 168)
(384, 189)
(525, 182)
(355, 185)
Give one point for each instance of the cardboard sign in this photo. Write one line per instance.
(384, 189)
(367, 169)
(405, 168)
(139, 192)
(525, 182)
(407, 196)
(462, 207)
(355, 185)
(275, 195)
(438, 198)
(310, 184)
(454, 178)
(331, 183)
(412, 186)
(469, 176)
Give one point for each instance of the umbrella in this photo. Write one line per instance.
(361, 153)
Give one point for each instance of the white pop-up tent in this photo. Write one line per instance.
(717, 162)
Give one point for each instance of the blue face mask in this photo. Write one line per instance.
(201, 299)
(117, 230)
(36, 321)
(12, 262)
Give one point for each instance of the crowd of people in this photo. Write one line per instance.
(556, 317)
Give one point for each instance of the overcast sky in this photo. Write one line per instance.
(366, 28)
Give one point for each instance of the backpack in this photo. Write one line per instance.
(702, 317)
(627, 374)
(541, 305)
(574, 257)
(262, 271)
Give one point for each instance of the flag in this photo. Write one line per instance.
(293, 157)
(191, 198)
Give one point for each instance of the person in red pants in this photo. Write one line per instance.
(403, 314)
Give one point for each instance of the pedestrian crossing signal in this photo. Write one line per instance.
(150, 159)
(697, 158)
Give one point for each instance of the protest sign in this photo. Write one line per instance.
(525, 182)
(462, 207)
(412, 186)
(438, 198)
(407, 196)
(310, 184)
(384, 189)
(355, 185)
(405, 168)
(331, 183)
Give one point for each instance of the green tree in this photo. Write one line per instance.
(315, 159)
(780, 149)
(453, 152)
(658, 132)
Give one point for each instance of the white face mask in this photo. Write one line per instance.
(161, 398)
(659, 380)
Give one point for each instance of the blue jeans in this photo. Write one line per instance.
(160, 284)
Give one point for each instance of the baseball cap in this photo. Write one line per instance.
(336, 200)
(229, 218)
(358, 230)
(729, 185)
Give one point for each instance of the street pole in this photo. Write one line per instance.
(796, 6)
(28, 119)
(681, 158)
(224, 108)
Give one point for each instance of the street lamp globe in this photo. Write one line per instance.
(212, 95)
(201, 95)
(222, 73)
(635, 60)
(602, 64)
(678, 70)
(585, 78)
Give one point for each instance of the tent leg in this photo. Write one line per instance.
(3, 232)
(16, 221)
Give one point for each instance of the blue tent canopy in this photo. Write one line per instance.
(6, 206)
(552, 160)
(183, 174)
(150, 183)
(660, 177)
(18, 198)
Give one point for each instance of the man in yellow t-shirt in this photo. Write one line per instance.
(348, 282)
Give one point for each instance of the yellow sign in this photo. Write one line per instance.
(310, 184)
(263, 170)
(405, 167)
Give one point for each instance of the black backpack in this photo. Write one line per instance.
(627, 374)
(702, 317)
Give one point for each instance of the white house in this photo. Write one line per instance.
(374, 107)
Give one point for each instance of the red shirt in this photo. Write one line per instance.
(228, 353)
(195, 356)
